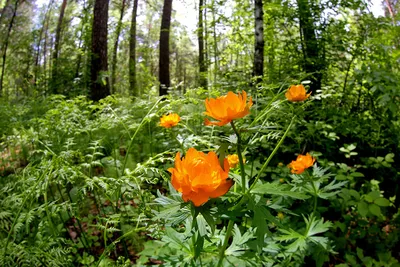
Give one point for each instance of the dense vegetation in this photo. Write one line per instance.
(274, 143)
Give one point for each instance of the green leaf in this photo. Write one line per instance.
(363, 208)
(381, 201)
(375, 210)
(354, 194)
(356, 174)
(371, 196)
(389, 157)
(201, 225)
(275, 189)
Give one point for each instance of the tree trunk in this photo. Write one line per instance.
(42, 29)
(132, 52)
(100, 87)
(311, 52)
(6, 41)
(3, 12)
(54, 79)
(215, 46)
(164, 76)
(115, 49)
(200, 30)
(258, 66)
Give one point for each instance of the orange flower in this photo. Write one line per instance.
(199, 176)
(297, 93)
(233, 160)
(301, 163)
(227, 108)
(170, 120)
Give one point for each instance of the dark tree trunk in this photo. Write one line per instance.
(100, 87)
(200, 30)
(164, 76)
(313, 64)
(5, 46)
(115, 50)
(258, 65)
(54, 76)
(132, 52)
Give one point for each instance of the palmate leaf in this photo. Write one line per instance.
(277, 189)
(238, 245)
(313, 227)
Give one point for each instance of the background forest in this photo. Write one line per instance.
(91, 148)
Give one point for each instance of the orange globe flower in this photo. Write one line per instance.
(199, 176)
(170, 120)
(227, 108)
(301, 163)
(297, 93)
(233, 160)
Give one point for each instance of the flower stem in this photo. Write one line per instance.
(225, 244)
(239, 152)
(272, 155)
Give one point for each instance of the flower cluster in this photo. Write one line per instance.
(170, 120)
(200, 176)
(233, 160)
(297, 93)
(301, 163)
(227, 108)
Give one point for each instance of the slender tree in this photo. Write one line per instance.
(258, 65)
(311, 51)
(115, 49)
(200, 30)
(5, 45)
(56, 51)
(164, 75)
(132, 52)
(38, 45)
(100, 86)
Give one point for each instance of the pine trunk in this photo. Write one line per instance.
(258, 65)
(164, 75)
(100, 86)
(115, 50)
(132, 52)
(54, 76)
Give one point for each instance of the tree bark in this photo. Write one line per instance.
(55, 81)
(100, 86)
(164, 75)
(115, 49)
(6, 42)
(200, 30)
(258, 65)
(132, 52)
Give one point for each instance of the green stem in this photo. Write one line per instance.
(136, 132)
(271, 155)
(239, 152)
(225, 244)
(315, 197)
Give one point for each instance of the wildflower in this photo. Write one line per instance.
(280, 164)
(281, 215)
(199, 176)
(233, 160)
(297, 93)
(170, 120)
(301, 163)
(281, 180)
(227, 108)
